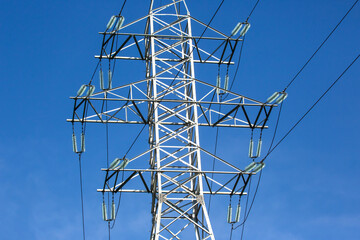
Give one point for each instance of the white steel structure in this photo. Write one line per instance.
(173, 103)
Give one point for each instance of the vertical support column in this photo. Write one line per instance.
(156, 131)
(196, 133)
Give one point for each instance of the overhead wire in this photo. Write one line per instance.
(232, 82)
(82, 197)
(252, 10)
(311, 108)
(270, 150)
(83, 130)
(333, 30)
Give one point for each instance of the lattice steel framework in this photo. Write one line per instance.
(173, 103)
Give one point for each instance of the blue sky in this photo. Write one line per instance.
(309, 187)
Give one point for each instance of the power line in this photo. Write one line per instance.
(337, 25)
(122, 7)
(82, 198)
(271, 150)
(252, 10)
(308, 111)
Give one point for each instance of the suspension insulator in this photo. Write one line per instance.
(82, 142)
(226, 84)
(218, 83)
(74, 143)
(272, 97)
(111, 22)
(123, 164)
(259, 167)
(101, 77)
(113, 211)
(245, 29)
(104, 214)
(282, 97)
(236, 29)
(90, 91)
(81, 90)
(238, 211)
(119, 23)
(114, 163)
(258, 150)
(250, 167)
(109, 79)
(229, 214)
(251, 147)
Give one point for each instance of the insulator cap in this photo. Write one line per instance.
(259, 167)
(251, 147)
(114, 163)
(119, 23)
(74, 143)
(229, 214)
(236, 29)
(250, 167)
(238, 211)
(245, 29)
(104, 214)
(258, 150)
(81, 90)
(101, 78)
(111, 22)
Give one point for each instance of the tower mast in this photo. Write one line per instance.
(173, 103)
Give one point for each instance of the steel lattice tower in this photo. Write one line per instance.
(173, 103)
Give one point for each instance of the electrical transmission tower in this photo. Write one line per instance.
(173, 104)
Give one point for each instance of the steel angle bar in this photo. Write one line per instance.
(166, 60)
(169, 47)
(174, 90)
(221, 185)
(224, 185)
(156, 10)
(179, 171)
(170, 26)
(188, 218)
(181, 215)
(161, 44)
(185, 139)
(174, 137)
(164, 191)
(177, 113)
(209, 27)
(226, 115)
(186, 164)
(176, 158)
(182, 229)
(175, 152)
(222, 160)
(172, 67)
(168, 183)
(168, 89)
(121, 185)
(180, 185)
(169, 71)
(171, 134)
(175, 68)
(170, 37)
(173, 234)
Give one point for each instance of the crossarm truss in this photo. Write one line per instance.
(129, 104)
